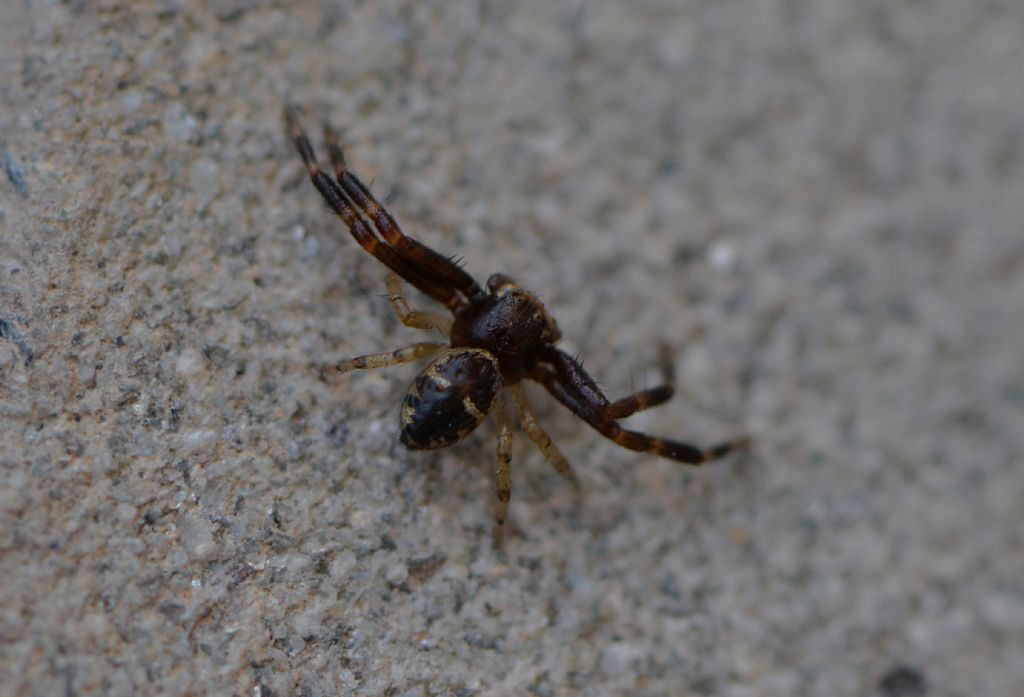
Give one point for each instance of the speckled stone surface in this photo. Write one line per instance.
(819, 206)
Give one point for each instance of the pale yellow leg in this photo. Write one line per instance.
(540, 437)
(413, 318)
(388, 358)
(503, 475)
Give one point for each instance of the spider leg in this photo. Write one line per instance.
(645, 399)
(413, 318)
(540, 437)
(407, 354)
(431, 264)
(383, 252)
(567, 382)
(627, 406)
(503, 474)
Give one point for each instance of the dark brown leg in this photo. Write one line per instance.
(424, 258)
(627, 406)
(566, 380)
(384, 253)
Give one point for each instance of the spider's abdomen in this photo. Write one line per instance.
(449, 399)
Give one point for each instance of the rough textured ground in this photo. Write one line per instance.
(819, 206)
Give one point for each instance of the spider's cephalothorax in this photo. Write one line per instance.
(510, 323)
(498, 336)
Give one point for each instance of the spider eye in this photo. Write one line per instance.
(449, 399)
(499, 281)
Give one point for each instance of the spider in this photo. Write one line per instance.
(498, 336)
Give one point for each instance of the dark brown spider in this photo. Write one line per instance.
(498, 336)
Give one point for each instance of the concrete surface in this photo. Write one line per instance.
(819, 206)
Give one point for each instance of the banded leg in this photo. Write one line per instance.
(503, 475)
(540, 437)
(569, 384)
(360, 231)
(413, 318)
(645, 399)
(627, 406)
(407, 354)
(436, 266)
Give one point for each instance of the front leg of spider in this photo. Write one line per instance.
(567, 382)
(497, 336)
